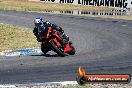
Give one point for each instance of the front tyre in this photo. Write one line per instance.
(57, 50)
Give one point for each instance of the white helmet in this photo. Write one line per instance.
(38, 20)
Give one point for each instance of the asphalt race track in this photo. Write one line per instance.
(102, 45)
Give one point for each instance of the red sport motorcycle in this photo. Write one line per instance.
(52, 41)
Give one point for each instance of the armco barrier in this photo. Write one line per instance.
(94, 12)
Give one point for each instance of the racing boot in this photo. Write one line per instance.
(65, 39)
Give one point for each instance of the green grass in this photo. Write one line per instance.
(12, 37)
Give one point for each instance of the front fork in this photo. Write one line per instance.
(64, 38)
(58, 38)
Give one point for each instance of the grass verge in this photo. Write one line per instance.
(29, 6)
(25, 5)
(12, 37)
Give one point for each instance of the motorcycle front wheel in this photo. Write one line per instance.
(57, 50)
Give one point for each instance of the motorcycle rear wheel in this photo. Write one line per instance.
(73, 50)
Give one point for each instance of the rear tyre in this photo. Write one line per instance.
(57, 50)
(73, 51)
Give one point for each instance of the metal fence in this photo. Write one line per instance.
(94, 12)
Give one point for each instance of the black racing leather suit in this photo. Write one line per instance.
(42, 28)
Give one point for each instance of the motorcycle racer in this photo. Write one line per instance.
(41, 28)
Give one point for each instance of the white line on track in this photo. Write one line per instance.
(7, 86)
(41, 84)
(52, 83)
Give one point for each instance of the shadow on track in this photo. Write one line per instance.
(48, 55)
